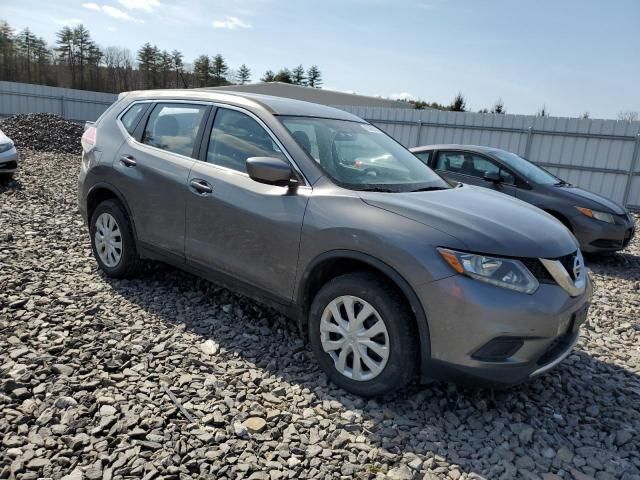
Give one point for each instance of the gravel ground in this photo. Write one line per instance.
(170, 376)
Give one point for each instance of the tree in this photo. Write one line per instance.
(148, 64)
(585, 115)
(459, 103)
(298, 76)
(202, 71)
(483, 110)
(629, 116)
(165, 66)
(219, 70)
(283, 75)
(7, 50)
(268, 76)
(543, 112)
(314, 77)
(178, 67)
(65, 49)
(26, 46)
(243, 74)
(498, 107)
(82, 44)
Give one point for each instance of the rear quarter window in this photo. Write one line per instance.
(132, 116)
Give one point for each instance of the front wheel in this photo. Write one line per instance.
(363, 335)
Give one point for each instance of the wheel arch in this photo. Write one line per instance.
(338, 262)
(102, 191)
(561, 217)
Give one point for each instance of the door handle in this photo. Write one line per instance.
(128, 161)
(201, 187)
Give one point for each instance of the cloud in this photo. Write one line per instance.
(113, 12)
(145, 5)
(402, 96)
(231, 23)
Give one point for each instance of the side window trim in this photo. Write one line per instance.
(204, 142)
(141, 120)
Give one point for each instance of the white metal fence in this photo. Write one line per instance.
(78, 105)
(600, 155)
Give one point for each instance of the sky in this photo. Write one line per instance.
(572, 56)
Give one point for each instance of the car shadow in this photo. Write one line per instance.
(623, 265)
(565, 419)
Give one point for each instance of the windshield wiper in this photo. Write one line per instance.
(375, 189)
(428, 189)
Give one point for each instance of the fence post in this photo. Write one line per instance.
(418, 141)
(527, 147)
(632, 169)
(62, 105)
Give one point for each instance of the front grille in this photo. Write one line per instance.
(538, 270)
(9, 165)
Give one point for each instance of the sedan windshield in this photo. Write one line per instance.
(527, 169)
(358, 156)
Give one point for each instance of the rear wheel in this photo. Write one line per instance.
(362, 334)
(112, 241)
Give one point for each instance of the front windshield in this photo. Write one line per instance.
(527, 169)
(361, 157)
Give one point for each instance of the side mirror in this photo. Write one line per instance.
(492, 177)
(270, 170)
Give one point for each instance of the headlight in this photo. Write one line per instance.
(602, 216)
(501, 272)
(5, 147)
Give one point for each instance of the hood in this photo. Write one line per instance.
(4, 138)
(585, 198)
(485, 221)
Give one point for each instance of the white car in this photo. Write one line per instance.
(8, 157)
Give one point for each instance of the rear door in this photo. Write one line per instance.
(247, 230)
(470, 168)
(153, 167)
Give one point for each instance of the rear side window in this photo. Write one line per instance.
(132, 117)
(174, 127)
(235, 137)
(424, 156)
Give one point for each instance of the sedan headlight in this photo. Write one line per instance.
(5, 147)
(501, 272)
(602, 216)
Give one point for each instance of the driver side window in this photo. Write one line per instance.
(466, 163)
(236, 136)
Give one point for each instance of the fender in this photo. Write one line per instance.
(401, 283)
(118, 195)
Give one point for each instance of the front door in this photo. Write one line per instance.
(242, 228)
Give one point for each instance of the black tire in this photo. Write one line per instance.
(402, 364)
(130, 263)
(6, 177)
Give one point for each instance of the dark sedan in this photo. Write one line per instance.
(598, 223)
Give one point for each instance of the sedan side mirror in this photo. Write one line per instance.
(492, 177)
(271, 170)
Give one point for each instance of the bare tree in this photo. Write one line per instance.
(629, 116)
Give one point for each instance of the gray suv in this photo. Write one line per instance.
(393, 275)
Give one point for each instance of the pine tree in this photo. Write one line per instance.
(459, 103)
(148, 64)
(202, 71)
(165, 64)
(314, 77)
(283, 75)
(65, 49)
(298, 76)
(82, 43)
(498, 107)
(7, 49)
(26, 46)
(268, 76)
(219, 70)
(244, 74)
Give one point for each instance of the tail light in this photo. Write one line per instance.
(89, 139)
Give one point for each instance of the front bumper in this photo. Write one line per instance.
(465, 315)
(9, 161)
(596, 236)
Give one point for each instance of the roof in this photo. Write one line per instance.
(449, 146)
(315, 95)
(272, 104)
